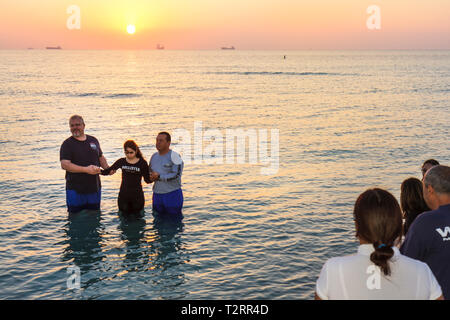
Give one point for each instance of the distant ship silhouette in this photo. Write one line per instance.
(159, 47)
(228, 48)
(53, 48)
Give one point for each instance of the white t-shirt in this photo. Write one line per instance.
(355, 277)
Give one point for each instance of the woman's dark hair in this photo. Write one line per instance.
(378, 221)
(132, 145)
(412, 201)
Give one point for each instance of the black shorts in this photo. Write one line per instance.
(131, 202)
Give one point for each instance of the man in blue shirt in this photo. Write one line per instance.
(428, 238)
(166, 167)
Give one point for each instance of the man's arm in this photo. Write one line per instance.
(174, 173)
(71, 167)
(103, 162)
(111, 170)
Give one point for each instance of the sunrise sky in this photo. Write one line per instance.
(211, 24)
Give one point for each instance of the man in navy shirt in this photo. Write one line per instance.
(81, 157)
(428, 238)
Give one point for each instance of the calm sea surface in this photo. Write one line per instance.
(347, 121)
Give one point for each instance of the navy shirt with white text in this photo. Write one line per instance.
(428, 240)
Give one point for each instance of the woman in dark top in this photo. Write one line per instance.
(412, 201)
(134, 168)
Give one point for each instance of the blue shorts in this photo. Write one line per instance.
(81, 201)
(168, 204)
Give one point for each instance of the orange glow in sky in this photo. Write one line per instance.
(206, 24)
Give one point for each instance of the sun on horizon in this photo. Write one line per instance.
(131, 29)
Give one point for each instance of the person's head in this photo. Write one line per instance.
(76, 124)
(378, 221)
(436, 186)
(412, 201)
(132, 150)
(163, 141)
(427, 165)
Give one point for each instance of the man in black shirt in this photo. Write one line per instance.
(82, 157)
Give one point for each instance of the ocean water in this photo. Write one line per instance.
(347, 121)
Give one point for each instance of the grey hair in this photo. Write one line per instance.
(76, 117)
(439, 178)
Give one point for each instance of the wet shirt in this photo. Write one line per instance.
(132, 174)
(82, 153)
(170, 168)
(355, 277)
(428, 240)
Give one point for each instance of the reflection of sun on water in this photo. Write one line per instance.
(131, 29)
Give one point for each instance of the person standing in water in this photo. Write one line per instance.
(81, 157)
(166, 167)
(131, 198)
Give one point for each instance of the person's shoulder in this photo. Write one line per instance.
(444, 209)
(411, 261)
(424, 219)
(332, 265)
(415, 265)
(69, 141)
(91, 138)
(341, 260)
(154, 155)
(174, 153)
(142, 161)
(175, 157)
(119, 163)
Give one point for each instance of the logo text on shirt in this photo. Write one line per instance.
(444, 234)
(130, 168)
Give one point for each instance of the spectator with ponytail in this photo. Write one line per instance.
(378, 270)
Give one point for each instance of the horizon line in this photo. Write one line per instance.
(219, 49)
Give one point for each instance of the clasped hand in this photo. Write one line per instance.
(154, 176)
(92, 169)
